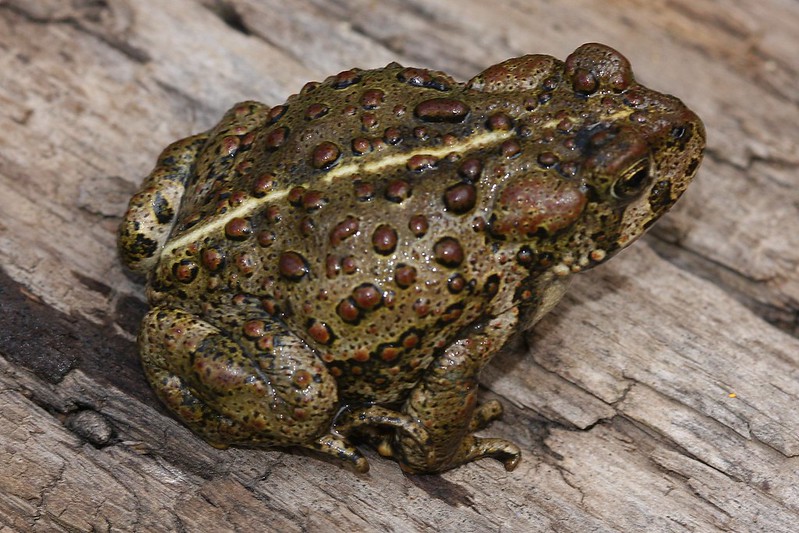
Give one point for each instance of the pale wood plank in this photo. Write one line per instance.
(623, 402)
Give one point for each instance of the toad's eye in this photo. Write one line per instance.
(632, 181)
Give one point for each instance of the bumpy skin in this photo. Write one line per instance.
(342, 266)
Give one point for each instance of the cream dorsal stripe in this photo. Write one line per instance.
(388, 161)
(250, 205)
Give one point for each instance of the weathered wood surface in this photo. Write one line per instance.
(661, 395)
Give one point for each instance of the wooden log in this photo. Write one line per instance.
(660, 395)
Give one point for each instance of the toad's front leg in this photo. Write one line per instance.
(445, 402)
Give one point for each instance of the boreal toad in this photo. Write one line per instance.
(340, 268)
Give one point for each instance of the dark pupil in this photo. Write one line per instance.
(637, 179)
(633, 184)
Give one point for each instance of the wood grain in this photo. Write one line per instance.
(660, 395)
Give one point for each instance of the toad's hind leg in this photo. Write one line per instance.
(269, 391)
(445, 403)
(162, 196)
(152, 211)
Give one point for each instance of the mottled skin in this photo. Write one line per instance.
(342, 266)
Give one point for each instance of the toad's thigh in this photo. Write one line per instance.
(271, 392)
